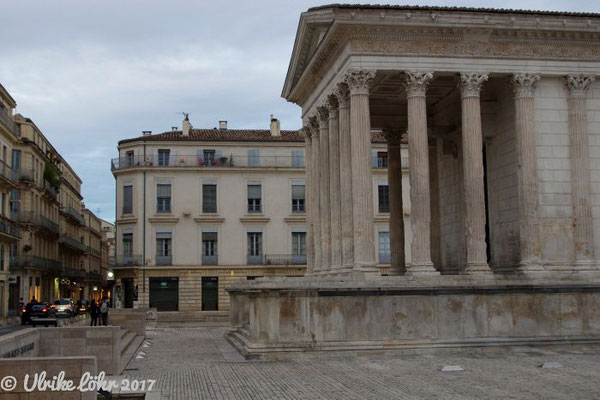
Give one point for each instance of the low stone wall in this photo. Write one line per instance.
(74, 368)
(304, 315)
(132, 319)
(23, 343)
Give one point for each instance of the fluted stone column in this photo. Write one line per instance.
(359, 83)
(530, 248)
(474, 196)
(343, 96)
(396, 227)
(583, 222)
(315, 198)
(334, 185)
(418, 160)
(324, 185)
(310, 245)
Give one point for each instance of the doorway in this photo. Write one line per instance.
(210, 293)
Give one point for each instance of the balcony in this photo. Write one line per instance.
(164, 260)
(41, 263)
(254, 260)
(93, 251)
(26, 175)
(132, 260)
(32, 218)
(93, 276)
(7, 121)
(9, 229)
(8, 175)
(231, 161)
(72, 243)
(74, 215)
(73, 273)
(210, 260)
(284, 259)
(50, 190)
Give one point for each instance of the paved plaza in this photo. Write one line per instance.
(195, 362)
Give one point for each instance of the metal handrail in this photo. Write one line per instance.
(126, 260)
(8, 173)
(50, 189)
(199, 161)
(72, 243)
(36, 262)
(9, 123)
(9, 227)
(31, 217)
(73, 213)
(284, 259)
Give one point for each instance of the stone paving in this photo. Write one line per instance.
(196, 362)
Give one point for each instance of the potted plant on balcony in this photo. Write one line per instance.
(181, 160)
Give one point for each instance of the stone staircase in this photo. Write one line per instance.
(130, 342)
(238, 337)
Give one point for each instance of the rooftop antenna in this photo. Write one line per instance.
(186, 115)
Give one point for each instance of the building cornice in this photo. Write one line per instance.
(169, 219)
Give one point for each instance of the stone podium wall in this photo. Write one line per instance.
(132, 319)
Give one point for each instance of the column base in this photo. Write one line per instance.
(481, 268)
(585, 265)
(422, 269)
(398, 271)
(368, 270)
(530, 268)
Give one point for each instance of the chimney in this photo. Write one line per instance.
(147, 133)
(174, 128)
(186, 125)
(223, 125)
(275, 127)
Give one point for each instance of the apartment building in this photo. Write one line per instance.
(10, 231)
(94, 262)
(200, 208)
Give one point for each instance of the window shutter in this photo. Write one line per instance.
(254, 191)
(297, 192)
(163, 190)
(374, 158)
(209, 198)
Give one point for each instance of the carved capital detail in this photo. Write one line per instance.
(578, 84)
(470, 83)
(313, 125)
(524, 84)
(306, 131)
(323, 115)
(393, 136)
(332, 105)
(416, 82)
(359, 81)
(343, 95)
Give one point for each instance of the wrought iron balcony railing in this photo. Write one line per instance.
(42, 263)
(72, 243)
(9, 123)
(74, 272)
(230, 161)
(284, 259)
(131, 260)
(73, 213)
(164, 260)
(7, 173)
(210, 260)
(10, 227)
(93, 251)
(30, 217)
(50, 189)
(94, 276)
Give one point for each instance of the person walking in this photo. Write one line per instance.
(94, 313)
(104, 311)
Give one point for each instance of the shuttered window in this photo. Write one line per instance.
(163, 198)
(209, 198)
(384, 199)
(298, 198)
(297, 158)
(127, 199)
(253, 158)
(254, 198)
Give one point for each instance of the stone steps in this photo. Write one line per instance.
(130, 342)
(237, 338)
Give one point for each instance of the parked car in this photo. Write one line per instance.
(84, 307)
(37, 310)
(64, 307)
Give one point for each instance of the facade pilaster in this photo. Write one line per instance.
(310, 244)
(396, 226)
(343, 96)
(583, 229)
(323, 115)
(529, 230)
(474, 191)
(315, 198)
(334, 184)
(418, 160)
(359, 83)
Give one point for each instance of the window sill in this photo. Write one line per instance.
(209, 218)
(255, 218)
(163, 218)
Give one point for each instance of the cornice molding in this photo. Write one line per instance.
(254, 220)
(209, 220)
(171, 220)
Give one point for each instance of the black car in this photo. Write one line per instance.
(36, 310)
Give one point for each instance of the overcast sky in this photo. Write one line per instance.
(92, 72)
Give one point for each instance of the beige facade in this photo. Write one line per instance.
(232, 211)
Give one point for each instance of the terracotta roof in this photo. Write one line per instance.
(463, 9)
(230, 135)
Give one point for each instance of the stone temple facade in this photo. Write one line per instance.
(502, 114)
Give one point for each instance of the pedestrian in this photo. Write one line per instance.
(94, 312)
(21, 305)
(104, 311)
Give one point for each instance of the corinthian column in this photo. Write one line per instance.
(359, 83)
(310, 245)
(315, 198)
(343, 96)
(418, 160)
(398, 258)
(334, 184)
(472, 147)
(583, 233)
(324, 184)
(524, 88)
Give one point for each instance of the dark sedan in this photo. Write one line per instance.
(37, 310)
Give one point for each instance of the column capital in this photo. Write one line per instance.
(471, 82)
(524, 84)
(416, 82)
(313, 125)
(342, 93)
(359, 81)
(578, 84)
(393, 136)
(306, 133)
(332, 105)
(323, 115)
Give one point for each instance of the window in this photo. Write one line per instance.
(2, 257)
(254, 198)
(129, 159)
(15, 204)
(127, 199)
(209, 248)
(384, 247)
(255, 248)
(163, 248)
(297, 159)
(299, 243)
(127, 246)
(209, 157)
(382, 159)
(253, 158)
(16, 160)
(209, 198)
(163, 198)
(164, 156)
(384, 199)
(298, 195)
